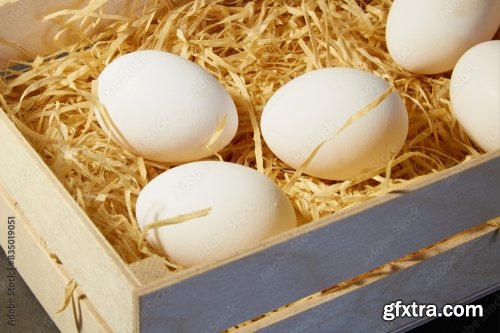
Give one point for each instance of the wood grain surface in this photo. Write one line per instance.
(21, 24)
(46, 278)
(464, 269)
(87, 256)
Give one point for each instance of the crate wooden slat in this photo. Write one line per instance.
(325, 253)
(46, 278)
(438, 280)
(274, 273)
(46, 204)
(21, 23)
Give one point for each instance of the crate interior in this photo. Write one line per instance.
(252, 48)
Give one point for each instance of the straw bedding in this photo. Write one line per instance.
(252, 48)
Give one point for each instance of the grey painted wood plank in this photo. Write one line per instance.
(324, 253)
(452, 277)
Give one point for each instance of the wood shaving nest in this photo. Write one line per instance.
(252, 48)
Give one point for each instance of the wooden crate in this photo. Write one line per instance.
(114, 296)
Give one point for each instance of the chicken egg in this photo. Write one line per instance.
(312, 109)
(429, 36)
(474, 94)
(245, 207)
(164, 107)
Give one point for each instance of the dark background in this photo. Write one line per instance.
(32, 318)
(490, 323)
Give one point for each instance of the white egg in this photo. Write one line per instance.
(313, 107)
(166, 107)
(475, 94)
(429, 36)
(246, 207)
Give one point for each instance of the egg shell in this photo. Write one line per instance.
(429, 36)
(475, 94)
(166, 107)
(246, 207)
(313, 107)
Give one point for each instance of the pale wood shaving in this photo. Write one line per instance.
(252, 48)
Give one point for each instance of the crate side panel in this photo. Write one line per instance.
(45, 277)
(322, 254)
(452, 277)
(46, 204)
(21, 23)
